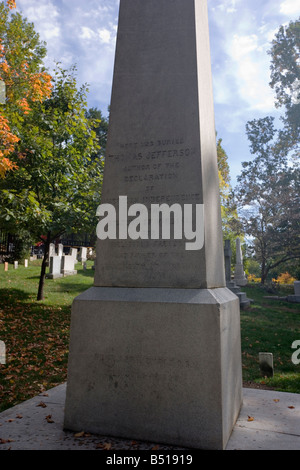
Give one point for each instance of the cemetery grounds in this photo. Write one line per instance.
(36, 334)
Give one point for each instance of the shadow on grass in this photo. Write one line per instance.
(86, 273)
(69, 287)
(13, 296)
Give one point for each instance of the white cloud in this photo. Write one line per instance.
(228, 6)
(243, 45)
(104, 35)
(87, 33)
(246, 74)
(51, 32)
(290, 7)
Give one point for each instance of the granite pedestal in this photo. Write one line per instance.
(155, 364)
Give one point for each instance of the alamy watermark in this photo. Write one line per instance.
(187, 222)
(296, 354)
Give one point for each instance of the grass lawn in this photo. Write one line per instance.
(36, 334)
(271, 326)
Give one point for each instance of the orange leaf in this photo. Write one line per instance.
(49, 420)
(250, 418)
(105, 446)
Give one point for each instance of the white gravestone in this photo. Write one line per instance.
(52, 251)
(68, 265)
(239, 273)
(73, 253)
(82, 256)
(296, 297)
(54, 268)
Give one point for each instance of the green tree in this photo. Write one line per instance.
(268, 193)
(268, 188)
(231, 226)
(285, 81)
(101, 129)
(57, 186)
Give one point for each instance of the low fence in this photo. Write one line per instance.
(7, 244)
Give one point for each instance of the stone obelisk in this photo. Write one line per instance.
(239, 273)
(155, 348)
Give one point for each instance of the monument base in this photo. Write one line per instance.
(69, 273)
(155, 364)
(53, 276)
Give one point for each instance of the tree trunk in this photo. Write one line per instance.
(40, 295)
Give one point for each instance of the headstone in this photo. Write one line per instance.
(26, 263)
(55, 268)
(296, 297)
(239, 273)
(266, 364)
(60, 249)
(68, 265)
(297, 287)
(52, 251)
(16, 264)
(155, 349)
(82, 256)
(231, 284)
(5, 266)
(73, 253)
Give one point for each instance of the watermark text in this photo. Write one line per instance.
(163, 222)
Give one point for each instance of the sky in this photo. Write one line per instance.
(83, 33)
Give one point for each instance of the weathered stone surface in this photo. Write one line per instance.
(155, 344)
(161, 143)
(68, 265)
(158, 364)
(239, 273)
(55, 267)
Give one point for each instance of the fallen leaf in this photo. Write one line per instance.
(19, 416)
(79, 434)
(105, 446)
(4, 441)
(291, 407)
(42, 404)
(155, 447)
(250, 418)
(276, 400)
(49, 420)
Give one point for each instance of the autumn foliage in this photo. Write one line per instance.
(24, 81)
